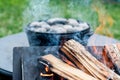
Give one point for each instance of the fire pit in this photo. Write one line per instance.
(49, 33)
(20, 39)
(35, 67)
(104, 66)
(56, 31)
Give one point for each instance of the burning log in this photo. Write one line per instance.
(114, 54)
(106, 60)
(65, 70)
(96, 68)
(84, 65)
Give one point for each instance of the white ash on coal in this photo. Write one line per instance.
(58, 25)
(57, 20)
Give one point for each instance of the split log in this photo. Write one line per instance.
(118, 46)
(61, 74)
(74, 60)
(114, 54)
(96, 68)
(65, 70)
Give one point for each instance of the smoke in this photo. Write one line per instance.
(45, 9)
(36, 10)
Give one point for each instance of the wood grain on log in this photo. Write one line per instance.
(74, 60)
(96, 68)
(87, 67)
(61, 67)
(113, 52)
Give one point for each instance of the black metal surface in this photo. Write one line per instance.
(17, 72)
(29, 56)
(5, 72)
(26, 66)
(5, 75)
(55, 39)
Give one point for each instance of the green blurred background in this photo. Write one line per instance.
(103, 15)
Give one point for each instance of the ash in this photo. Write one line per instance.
(58, 25)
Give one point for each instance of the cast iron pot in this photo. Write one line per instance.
(56, 39)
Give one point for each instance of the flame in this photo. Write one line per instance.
(46, 69)
(105, 21)
(61, 78)
(46, 75)
(94, 49)
(106, 60)
(67, 61)
(103, 53)
(97, 50)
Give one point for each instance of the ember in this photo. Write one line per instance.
(66, 60)
(45, 72)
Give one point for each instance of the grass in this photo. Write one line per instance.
(114, 11)
(11, 15)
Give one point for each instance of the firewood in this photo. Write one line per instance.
(74, 60)
(106, 60)
(118, 46)
(96, 68)
(66, 75)
(61, 74)
(89, 68)
(74, 73)
(114, 54)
